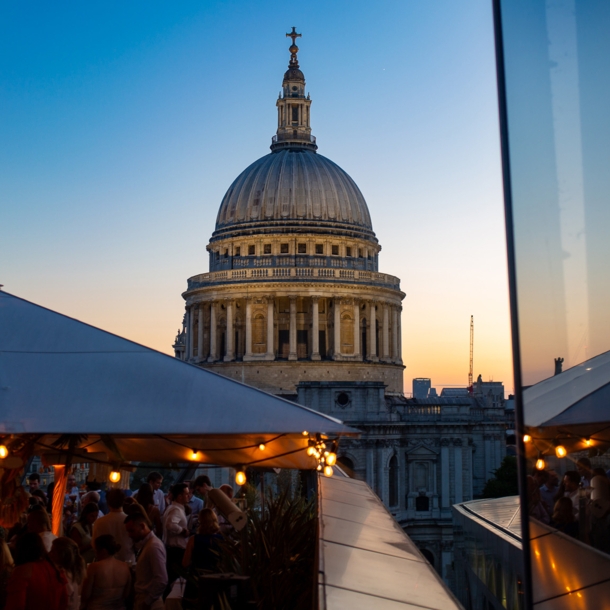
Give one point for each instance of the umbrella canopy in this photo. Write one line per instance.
(60, 376)
(572, 408)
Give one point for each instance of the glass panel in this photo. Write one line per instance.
(555, 100)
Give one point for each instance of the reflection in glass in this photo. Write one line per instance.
(555, 113)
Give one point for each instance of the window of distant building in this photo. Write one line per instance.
(250, 250)
(267, 249)
(359, 252)
(237, 251)
(319, 248)
(226, 253)
(284, 248)
(348, 251)
(335, 250)
(302, 248)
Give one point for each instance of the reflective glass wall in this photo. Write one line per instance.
(554, 85)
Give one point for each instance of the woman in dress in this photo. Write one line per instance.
(82, 530)
(64, 554)
(146, 499)
(108, 581)
(35, 582)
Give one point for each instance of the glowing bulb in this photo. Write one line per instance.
(588, 443)
(540, 464)
(311, 450)
(195, 455)
(328, 471)
(319, 467)
(240, 477)
(527, 438)
(560, 451)
(331, 459)
(115, 476)
(3, 451)
(262, 446)
(305, 433)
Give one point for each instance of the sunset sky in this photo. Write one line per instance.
(123, 124)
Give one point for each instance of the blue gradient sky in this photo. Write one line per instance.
(124, 123)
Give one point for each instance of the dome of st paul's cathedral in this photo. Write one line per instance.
(293, 294)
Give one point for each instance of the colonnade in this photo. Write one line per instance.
(344, 329)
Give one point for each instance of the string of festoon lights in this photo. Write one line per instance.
(326, 455)
(324, 451)
(560, 450)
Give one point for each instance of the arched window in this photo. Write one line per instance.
(259, 343)
(422, 503)
(346, 465)
(393, 481)
(428, 555)
(347, 334)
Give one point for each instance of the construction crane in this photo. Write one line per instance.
(470, 370)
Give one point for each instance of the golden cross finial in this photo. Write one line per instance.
(293, 35)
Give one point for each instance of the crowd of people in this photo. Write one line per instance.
(577, 505)
(119, 550)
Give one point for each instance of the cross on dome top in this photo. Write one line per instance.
(294, 63)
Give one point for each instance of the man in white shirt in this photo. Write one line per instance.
(571, 481)
(114, 524)
(175, 533)
(151, 573)
(155, 479)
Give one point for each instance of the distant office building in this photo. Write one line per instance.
(421, 387)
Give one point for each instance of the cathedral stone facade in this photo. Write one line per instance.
(294, 303)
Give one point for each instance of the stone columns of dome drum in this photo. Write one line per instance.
(200, 334)
(315, 328)
(386, 333)
(189, 334)
(399, 336)
(394, 334)
(270, 333)
(337, 351)
(357, 354)
(292, 355)
(212, 356)
(372, 332)
(230, 336)
(248, 354)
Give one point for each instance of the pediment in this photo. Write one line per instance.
(421, 451)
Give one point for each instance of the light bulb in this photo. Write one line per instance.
(527, 438)
(262, 446)
(588, 443)
(3, 451)
(240, 477)
(540, 464)
(311, 450)
(560, 451)
(115, 476)
(319, 467)
(305, 433)
(331, 459)
(195, 455)
(328, 471)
